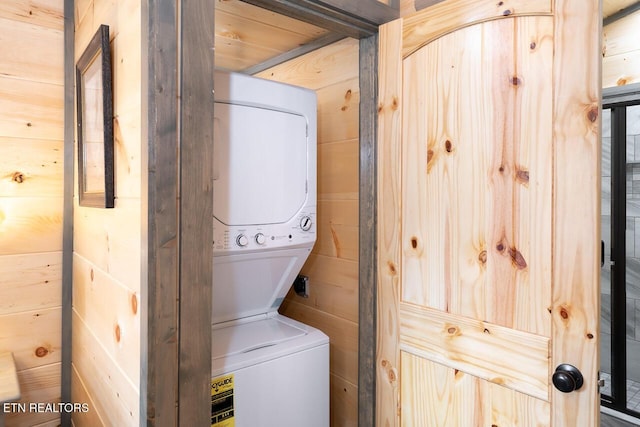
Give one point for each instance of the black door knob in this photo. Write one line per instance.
(567, 378)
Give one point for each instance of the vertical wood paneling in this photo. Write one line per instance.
(435, 395)
(534, 149)
(389, 221)
(576, 207)
(31, 125)
(478, 233)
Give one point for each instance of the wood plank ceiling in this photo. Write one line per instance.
(248, 35)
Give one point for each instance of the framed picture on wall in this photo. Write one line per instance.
(94, 99)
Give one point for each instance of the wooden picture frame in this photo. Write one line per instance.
(94, 100)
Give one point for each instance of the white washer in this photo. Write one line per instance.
(267, 370)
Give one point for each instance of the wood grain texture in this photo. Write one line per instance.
(9, 386)
(159, 328)
(620, 52)
(535, 132)
(115, 396)
(266, 17)
(30, 109)
(111, 311)
(620, 70)
(337, 229)
(33, 52)
(321, 68)
(432, 22)
(389, 222)
(30, 225)
(619, 37)
(44, 13)
(338, 179)
(503, 356)
(477, 176)
(30, 167)
(31, 133)
(38, 385)
(107, 243)
(367, 203)
(92, 417)
(576, 207)
(196, 211)
(32, 336)
(338, 111)
(110, 239)
(333, 286)
(30, 282)
(435, 395)
(344, 402)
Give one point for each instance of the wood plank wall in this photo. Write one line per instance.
(31, 198)
(107, 242)
(621, 52)
(332, 305)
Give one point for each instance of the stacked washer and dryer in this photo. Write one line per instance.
(267, 370)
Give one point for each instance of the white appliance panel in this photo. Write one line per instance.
(290, 391)
(285, 384)
(260, 170)
(254, 283)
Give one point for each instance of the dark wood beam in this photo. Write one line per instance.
(160, 218)
(367, 230)
(67, 221)
(621, 14)
(357, 19)
(197, 39)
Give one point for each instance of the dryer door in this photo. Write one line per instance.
(260, 169)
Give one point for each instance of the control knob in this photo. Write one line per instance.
(242, 240)
(261, 239)
(305, 223)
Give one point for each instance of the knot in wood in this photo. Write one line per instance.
(18, 177)
(41, 352)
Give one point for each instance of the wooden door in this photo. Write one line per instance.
(488, 214)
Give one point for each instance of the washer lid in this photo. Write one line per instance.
(260, 165)
(247, 337)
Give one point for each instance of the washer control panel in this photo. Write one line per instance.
(299, 230)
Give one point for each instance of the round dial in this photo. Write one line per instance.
(261, 239)
(305, 223)
(242, 240)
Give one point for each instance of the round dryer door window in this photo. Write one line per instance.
(260, 165)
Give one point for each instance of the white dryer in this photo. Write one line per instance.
(267, 370)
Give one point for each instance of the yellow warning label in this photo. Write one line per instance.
(222, 412)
